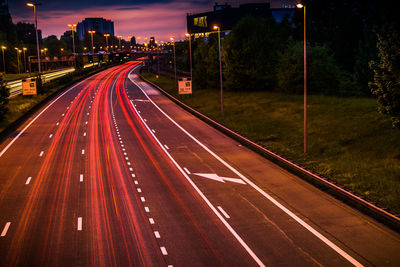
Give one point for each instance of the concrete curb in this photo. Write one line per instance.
(366, 206)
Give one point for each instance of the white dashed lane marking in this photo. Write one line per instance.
(28, 180)
(5, 229)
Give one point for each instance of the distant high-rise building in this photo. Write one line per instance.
(99, 25)
(152, 42)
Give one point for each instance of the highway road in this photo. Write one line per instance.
(112, 173)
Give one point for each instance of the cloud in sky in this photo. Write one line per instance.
(161, 19)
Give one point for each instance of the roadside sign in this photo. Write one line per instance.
(185, 86)
(29, 86)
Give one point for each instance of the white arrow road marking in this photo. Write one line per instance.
(221, 179)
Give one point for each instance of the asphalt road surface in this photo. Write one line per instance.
(112, 173)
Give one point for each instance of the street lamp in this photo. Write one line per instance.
(91, 35)
(73, 41)
(119, 40)
(4, 61)
(24, 49)
(18, 51)
(190, 55)
(173, 44)
(220, 66)
(107, 35)
(37, 38)
(300, 5)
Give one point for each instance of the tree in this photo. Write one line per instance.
(4, 94)
(322, 69)
(250, 53)
(386, 84)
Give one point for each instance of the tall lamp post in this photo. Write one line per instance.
(107, 35)
(190, 55)
(4, 61)
(73, 41)
(24, 49)
(119, 41)
(91, 36)
(36, 29)
(300, 5)
(173, 44)
(220, 66)
(18, 52)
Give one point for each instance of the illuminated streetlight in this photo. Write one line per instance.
(190, 55)
(91, 34)
(299, 5)
(4, 61)
(73, 41)
(173, 44)
(107, 35)
(119, 40)
(220, 66)
(37, 38)
(24, 49)
(18, 52)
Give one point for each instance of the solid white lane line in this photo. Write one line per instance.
(50, 136)
(151, 220)
(186, 170)
(83, 151)
(139, 190)
(147, 209)
(166, 146)
(157, 234)
(81, 178)
(164, 251)
(79, 223)
(41, 153)
(28, 180)
(223, 212)
(258, 189)
(143, 199)
(5, 229)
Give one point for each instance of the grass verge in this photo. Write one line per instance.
(349, 141)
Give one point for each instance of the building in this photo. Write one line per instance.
(99, 25)
(226, 16)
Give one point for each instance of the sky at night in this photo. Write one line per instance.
(140, 18)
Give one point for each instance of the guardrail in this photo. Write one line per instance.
(382, 215)
(16, 86)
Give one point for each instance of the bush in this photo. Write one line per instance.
(4, 94)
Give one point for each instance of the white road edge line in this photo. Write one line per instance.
(223, 212)
(5, 229)
(258, 189)
(34, 119)
(28, 180)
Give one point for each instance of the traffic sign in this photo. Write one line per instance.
(29, 86)
(185, 86)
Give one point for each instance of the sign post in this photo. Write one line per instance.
(185, 86)
(29, 86)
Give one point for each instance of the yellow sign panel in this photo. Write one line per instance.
(200, 22)
(29, 86)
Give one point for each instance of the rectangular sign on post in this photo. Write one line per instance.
(29, 86)
(185, 86)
